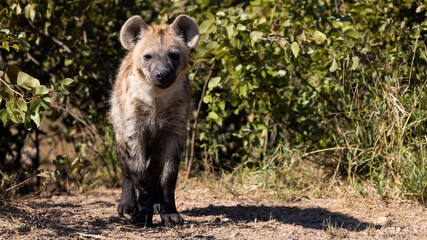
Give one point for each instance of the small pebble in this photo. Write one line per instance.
(384, 221)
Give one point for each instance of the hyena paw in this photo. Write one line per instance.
(127, 207)
(171, 219)
(157, 208)
(142, 219)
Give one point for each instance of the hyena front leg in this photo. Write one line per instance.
(127, 204)
(141, 181)
(143, 184)
(168, 177)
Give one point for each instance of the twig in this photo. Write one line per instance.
(103, 160)
(321, 95)
(55, 40)
(193, 135)
(275, 39)
(75, 117)
(19, 184)
(92, 236)
(104, 65)
(7, 85)
(187, 143)
(38, 64)
(332, 149)
(95, 135)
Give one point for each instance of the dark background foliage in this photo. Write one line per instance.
(275, 84)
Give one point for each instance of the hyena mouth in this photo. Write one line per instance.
(163, 79)
(164, 85)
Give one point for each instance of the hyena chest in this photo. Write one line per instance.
(169, 120)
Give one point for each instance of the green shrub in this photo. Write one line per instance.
(341, 84)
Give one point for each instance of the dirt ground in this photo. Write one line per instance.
(214, 214)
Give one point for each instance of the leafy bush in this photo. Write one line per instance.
(341, 84)
(344, 83)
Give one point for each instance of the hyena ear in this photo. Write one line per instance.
(185, 27)
(131, 32)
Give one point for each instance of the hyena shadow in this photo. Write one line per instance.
(314, 218)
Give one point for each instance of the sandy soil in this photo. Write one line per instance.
(213, 214)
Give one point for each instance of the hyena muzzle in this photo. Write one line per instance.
(150, 105)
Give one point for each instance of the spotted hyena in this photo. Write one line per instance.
(150, 106)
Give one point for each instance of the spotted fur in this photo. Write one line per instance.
(150, 106)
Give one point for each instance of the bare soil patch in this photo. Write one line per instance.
(213, 214)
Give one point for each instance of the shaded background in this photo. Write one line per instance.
(281, 89)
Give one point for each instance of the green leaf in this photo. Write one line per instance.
(213, 115)
(295, 49)
(420, 8)
(67, 81)
(5, 31)
(8, 94)
(45, 103)
(221, 105)
(255, 36)
(230, 31)
(12, 73)
(27, 121)
(36, 118)
(207, 98)
(243, 90)
(205, 26)
(35, 105)
(14, 117)
(42, 90)
(234, 102)
(334, 66)
(319, 37)
(21, 105)
(214, 82)
(352, 34)
(68, 61)
(32, 12)
(355, 62)
(220, 13)
(241, 27)
(3, 116)
(5, 45)
(10, 106)
(16, 47)
(24, 42)
(27, 82)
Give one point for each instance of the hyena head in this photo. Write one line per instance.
(160, 52)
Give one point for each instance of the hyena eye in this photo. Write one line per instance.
(147, 57)
(174, 56)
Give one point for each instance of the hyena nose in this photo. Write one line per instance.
(162, 75)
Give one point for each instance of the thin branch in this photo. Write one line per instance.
(193, 135)
(38, 64)
(75, 117)
(7, 85)
(187, 143)
(55, 40)
(321, 95)
(19, 184)
(95, 135)
(104, 65)
(104, 161)
(275, 39)
(332, 149)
